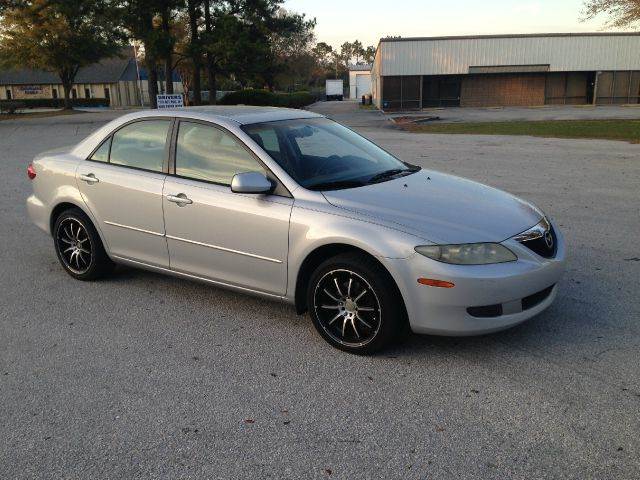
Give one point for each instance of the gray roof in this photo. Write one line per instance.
(242, 114)
(110, 70)
(246, 114)
(518, 35)
(239, 114)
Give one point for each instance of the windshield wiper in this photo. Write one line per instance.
(337, 185)
(387, 174)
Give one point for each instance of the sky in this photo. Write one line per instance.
(369, 20)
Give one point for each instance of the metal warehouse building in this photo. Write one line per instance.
(507, 70)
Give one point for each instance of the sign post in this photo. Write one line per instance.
(170, 101)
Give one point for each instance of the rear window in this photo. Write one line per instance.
(141, 145)
(102, 153)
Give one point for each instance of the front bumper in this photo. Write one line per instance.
(442, 311)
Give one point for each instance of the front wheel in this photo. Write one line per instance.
(355, 305)
(78, 246)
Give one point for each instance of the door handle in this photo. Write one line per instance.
(181, 199)
(90, 178)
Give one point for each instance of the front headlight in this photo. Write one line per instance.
(468, 254)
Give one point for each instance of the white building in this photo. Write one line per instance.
(112, 82)
(500, 70)
(359, 81)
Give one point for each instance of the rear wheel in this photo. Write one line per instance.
(355, 305)
(78, 246)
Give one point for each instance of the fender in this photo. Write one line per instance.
(309, 230)
(55, 185)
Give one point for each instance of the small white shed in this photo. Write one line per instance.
(359, 81)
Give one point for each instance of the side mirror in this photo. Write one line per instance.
(251, 182)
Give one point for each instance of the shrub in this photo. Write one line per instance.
(248, 97)
(296, 99)
(266, 98)
(57, 102)
(10, 106)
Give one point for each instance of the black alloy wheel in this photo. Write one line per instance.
(355, 304)
(78, 246)
(347, 308)
(74, 245)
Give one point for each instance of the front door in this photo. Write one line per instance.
(121, 185)
(235, 239)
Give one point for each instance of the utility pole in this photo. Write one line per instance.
(139, 82)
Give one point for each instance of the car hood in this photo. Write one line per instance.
(441, 208)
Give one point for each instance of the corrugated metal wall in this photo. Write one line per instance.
(455, 56)
(503, 90)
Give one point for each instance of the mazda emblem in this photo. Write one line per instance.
(548, 239)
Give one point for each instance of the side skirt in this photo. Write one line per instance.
(228, 286)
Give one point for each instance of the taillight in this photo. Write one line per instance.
(31, 171)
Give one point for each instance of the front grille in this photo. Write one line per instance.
(487, 311)
(539, 245)
(536, 299)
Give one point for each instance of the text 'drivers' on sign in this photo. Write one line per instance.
(170, 101)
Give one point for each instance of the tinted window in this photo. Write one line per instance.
(319, 153)
(208, 153)
(102, 153)
(141, 145)
(267, 139)
(325, 143)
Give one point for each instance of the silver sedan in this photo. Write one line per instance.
(290, 205)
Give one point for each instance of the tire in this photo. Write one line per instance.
(79, 248)
(355, 305)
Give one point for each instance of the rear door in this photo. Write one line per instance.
(121, 183)
(235, 239)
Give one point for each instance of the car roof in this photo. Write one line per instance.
(241, 114)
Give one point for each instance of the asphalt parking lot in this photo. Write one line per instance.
(146, 376)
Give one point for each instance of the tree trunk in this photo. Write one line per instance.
(211, 78)
(195, 48)
(186, 84)
(153, 84)
(66, 88)
(211, 74)
(168, 65)
(67, 76)
(197, 87)
(168, 75)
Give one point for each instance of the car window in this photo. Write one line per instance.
(141, 145)
(319, 153)
(102, 153)
(208, 153)
(323, 143)
(267, 138)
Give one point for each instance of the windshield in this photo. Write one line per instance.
(323, 155)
